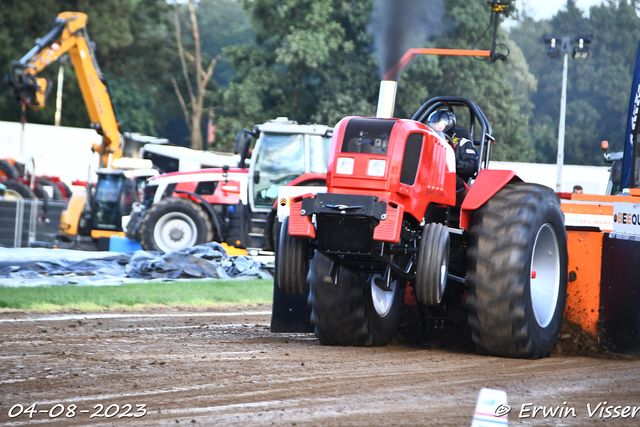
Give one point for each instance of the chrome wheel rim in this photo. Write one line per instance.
(545, 275)
(382, 300)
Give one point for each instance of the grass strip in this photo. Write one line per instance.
(199, 293)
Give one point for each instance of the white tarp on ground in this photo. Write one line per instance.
(37, 266)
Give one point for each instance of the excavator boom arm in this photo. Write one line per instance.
(69, 35)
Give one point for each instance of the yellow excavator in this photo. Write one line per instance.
(69, 35)
(96, 214)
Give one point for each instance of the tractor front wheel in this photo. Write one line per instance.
(518, 272)
(173, 224)
(433, 264)
(355, 311)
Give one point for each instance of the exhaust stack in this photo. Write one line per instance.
(387, 99)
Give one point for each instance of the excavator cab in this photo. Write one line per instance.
(115, 192)
(114, 196)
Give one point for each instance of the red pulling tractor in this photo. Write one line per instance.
(392, 227)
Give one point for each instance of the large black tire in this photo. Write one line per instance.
(517, 234)
(172, 224)
(20, 188)
(7, 170)
(66, 190)
(433, 264)
(133, 227)
(271, 235)
(40, 192)
(55, 190)
(345, 314)
(291, 261)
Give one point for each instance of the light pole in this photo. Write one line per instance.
(581, 51)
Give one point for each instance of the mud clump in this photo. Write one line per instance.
(576, 342)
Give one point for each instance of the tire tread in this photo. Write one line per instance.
(498, 256)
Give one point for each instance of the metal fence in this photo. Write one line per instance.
(26, 223)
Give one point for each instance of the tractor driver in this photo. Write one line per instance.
(444, 122)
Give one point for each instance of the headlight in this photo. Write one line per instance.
(345, 165)
(376, 167)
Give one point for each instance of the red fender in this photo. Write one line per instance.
(488, 183)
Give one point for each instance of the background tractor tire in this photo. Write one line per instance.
(40, 192)
(346, 314)
(19, 188)
(132, 230)
(56, 192)
(172, 224)
(518, 272)
(433, 264)
(65, 188)
(291, 261)
(7, 170)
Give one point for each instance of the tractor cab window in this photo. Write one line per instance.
(280, 160)
(319, 147)
(369, 136)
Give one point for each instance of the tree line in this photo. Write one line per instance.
(317, 61)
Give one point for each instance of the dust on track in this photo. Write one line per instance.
(203, 368)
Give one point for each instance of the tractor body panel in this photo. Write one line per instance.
(403, 161)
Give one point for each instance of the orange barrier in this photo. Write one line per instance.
(583, 289)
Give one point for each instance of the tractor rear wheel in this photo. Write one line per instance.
(518, 272)
(56, 192)
(173, 224)
(355, 311)
(19, 189)
(66, 190)
(40, 192)
(291, 261)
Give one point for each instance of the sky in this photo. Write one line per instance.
(545, 9)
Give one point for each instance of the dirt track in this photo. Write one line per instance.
(212, 368)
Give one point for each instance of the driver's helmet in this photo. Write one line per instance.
(442, 120)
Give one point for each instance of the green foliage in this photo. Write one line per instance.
(313, 61)
(134, 48)
(138, 102)
(222, 23)
(598, 89)
(500, 89)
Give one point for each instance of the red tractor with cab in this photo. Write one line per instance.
(394, 226)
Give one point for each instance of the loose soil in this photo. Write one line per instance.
(223, 366)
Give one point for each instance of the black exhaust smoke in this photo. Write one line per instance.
(398, 25)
